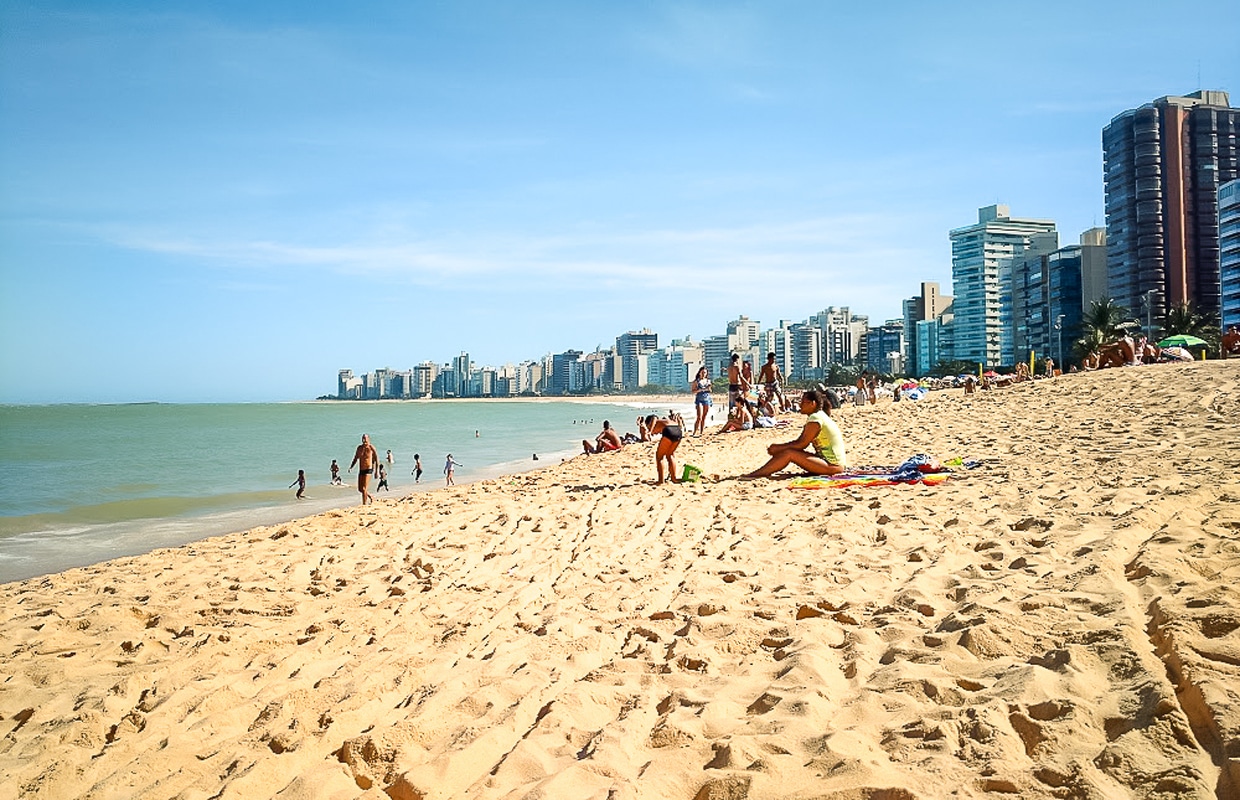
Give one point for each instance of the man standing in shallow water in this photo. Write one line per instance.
(366, 457)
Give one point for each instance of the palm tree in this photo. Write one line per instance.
(1184, 319)
(1106, 321)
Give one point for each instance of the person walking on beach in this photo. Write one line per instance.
(449, 468)
(300, 483)
(336, 474)
(701, 400)
(417, 468)
(820, 432)
(366, 458)
(670, 434)
(383, 484)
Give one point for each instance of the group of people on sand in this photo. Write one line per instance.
(819, 449)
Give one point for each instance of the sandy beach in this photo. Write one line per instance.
(1061, 622)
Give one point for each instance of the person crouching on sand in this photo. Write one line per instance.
(671, 434)
(820, 432)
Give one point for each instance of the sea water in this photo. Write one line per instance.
(81, 484)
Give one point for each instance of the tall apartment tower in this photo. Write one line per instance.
(630, 347)
(1163, 165)
(927, 305)
(1229, 251)
(979, 253)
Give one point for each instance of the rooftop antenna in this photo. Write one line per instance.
(1199, 86)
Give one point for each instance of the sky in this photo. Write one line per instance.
(230, 201)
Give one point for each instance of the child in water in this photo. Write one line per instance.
(300, 483)
(671, 435)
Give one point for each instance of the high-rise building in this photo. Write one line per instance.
(779, 341)
(927, 305)
(806, 352)
(843, 334)
(978, 253)
(1093, 266)
(1229, 252)
(1163, 165)
(881, 342)
(629, 346)
(565, 372)
(1024, 299)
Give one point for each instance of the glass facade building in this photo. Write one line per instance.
(1229, 252)
(979, 254)
(1163, 165)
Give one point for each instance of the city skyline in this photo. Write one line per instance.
(228, 203)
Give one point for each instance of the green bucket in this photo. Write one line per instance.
(691, 474)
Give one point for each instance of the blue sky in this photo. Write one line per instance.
(232, 200)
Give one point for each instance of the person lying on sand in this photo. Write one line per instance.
(820, 432)
(604, 442)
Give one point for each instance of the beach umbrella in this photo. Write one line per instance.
(991, 374)
(1183, 340)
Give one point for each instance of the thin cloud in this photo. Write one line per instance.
(718, 258)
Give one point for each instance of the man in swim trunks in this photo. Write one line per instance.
(820, 432)
(365, 457)
(771, 376)
(1231, 342)
(734, 381)
(606, 441)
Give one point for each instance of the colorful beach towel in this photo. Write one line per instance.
(920, 468)
(846, 479)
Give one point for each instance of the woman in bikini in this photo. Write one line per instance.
(701, 400)
(671, 435)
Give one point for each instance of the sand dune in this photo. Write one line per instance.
(1062, 622)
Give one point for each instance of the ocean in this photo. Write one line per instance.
(80, 484)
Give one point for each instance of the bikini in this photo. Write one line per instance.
(672, 433)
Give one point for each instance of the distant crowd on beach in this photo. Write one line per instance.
(756, 401)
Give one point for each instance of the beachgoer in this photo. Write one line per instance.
(820, 432)
(417, 468)
(671, 434)
(739, 419)
(1230, 343)
(871, 388)
(643, 433)
(300, 483)
(366, 457)
(606, 441)
(449, 468)
(772, 378)
(390, 460)
(1050, 367)
(746, 379)
(701, 400)
(336, 474)
(734, 381)
(383, 484)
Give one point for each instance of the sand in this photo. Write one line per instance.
(1063, 621)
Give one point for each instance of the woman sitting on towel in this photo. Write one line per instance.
(820, 432)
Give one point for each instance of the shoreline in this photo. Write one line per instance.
(576, 631)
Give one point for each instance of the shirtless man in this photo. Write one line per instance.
(606, 441)
(772, 378)
(734, 381)
(366, 458)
